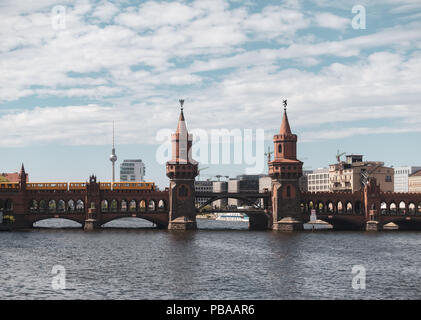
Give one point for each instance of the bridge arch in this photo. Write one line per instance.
(123, 205)
(230, 196)
(393, 208)
(152, 205)
(80, 205)
(339, 207)
(52, 218)
(349, 207)
(132, 206)
(113, 205)
(411, 208)
(71, 206)
(104, 206)
(142, 205)
(402, 207)
(6, 205)
(162, 206)
(330, 208)
(159, 221)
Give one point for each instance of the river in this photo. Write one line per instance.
(222, 260)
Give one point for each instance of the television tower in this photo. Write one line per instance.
(113, 156)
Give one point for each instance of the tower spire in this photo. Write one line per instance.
(285, 128)
(113, 156)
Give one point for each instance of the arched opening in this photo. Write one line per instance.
(358, 207)
(114, 206)
(123, 206)
(383, 208)
(132, 206)
(1, 205)
(61, 206)
(129, 223)
(71, 206)
(43, 206)
(302, 207)
(142, 206)
(288, 191)
(80, 206)
(9, 205)
(104, 206)
(340, 207)
(320, 207)
(151, 206)
(411, 208)
(279, 148)
(161, 205)
(349, 208)
(419, 209)
(329, 207)
(57, 223)
(311, 205)
(402, 208)
(33, 206)
(392, 208)
(52, 206)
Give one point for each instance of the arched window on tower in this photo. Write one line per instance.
(280, 148)
(288, 191)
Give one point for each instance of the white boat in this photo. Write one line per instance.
(231, 216)
(316, 224)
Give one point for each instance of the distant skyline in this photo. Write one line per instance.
(356, 90)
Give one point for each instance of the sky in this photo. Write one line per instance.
(69, 68)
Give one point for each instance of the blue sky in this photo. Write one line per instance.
(356, 90)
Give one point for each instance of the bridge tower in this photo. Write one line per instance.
(285, 171)
(182, 170)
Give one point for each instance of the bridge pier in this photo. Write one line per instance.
(372, 225)
(90, 225)
(182, 223)
(258, 222)
(288, 224)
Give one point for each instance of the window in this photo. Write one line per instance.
(288, 192)
(280, 148)
(388, 179)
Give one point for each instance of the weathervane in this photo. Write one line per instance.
(285, 104)
(181, 103)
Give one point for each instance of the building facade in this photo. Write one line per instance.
(402, 177)
(303, 181)
(220, 187)
(243, 184)
(132, 171)
(318, 180)
(202, 186)
(11, 177)
(350, 175)
(414, 182)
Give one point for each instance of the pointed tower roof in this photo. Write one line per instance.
(181, 126)
(285, 128)
(22, 169)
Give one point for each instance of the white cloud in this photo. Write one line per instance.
(329, 20)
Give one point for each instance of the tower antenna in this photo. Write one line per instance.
(113, 156)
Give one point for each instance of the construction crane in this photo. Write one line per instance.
(365, 174)
(339, 155)
(268, 154)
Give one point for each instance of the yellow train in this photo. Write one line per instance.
(74, 186)
(62, 186)
(9, 185)
(133, 186)
(77, 186)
